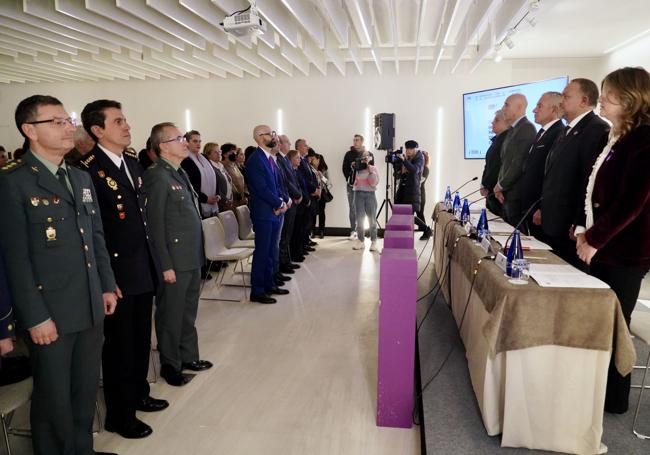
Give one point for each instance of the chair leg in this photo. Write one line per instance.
(638, 404)
(154, 367)
(98, 414)
(207, 272)
(5, 434)
(243, 278)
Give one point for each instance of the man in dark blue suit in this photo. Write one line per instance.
(266, 206)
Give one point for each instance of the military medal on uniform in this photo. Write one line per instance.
(35, 201)
(112, 184)
(50, 233)
(86, 195)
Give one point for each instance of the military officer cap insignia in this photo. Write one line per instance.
(86, 161)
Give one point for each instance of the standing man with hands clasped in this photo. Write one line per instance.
(173, 212)
(117, 177)
(60, 276)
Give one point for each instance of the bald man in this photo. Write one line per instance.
(514, 151)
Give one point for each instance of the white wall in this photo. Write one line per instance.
(327, 111)
(636, 53)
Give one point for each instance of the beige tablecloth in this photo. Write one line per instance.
(537, 357)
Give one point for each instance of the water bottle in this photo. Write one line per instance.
(456, 205)
(464, 214)
(514, 251)
(482, 228)
(448, 201)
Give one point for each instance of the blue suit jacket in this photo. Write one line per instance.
(263, 186)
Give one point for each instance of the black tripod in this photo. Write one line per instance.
(386, 203)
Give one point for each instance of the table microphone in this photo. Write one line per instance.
(530, 209)
(467, 182)
(473, 192)
(477, 200)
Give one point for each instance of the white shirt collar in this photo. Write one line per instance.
(267, 154)
(575, 121)
(517, 121)
(117, 160)
(550, 124)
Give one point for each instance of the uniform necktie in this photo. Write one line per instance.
(539, 134)
(124, 173)
(272, 164)
(61, 175)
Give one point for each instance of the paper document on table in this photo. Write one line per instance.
(527, 243)
(564, 276)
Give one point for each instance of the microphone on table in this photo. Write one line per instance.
(523, 218)
(466, 183)
(473, 192)
(477, 200)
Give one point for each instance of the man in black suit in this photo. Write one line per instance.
(547, 115)
(117, 177)
(295, 192)
(568, 166)
(521, 135)
(314, 191)
(493, 162)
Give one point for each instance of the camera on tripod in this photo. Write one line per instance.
(394, 157)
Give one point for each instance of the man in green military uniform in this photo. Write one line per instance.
(175, 221)
(60, 276)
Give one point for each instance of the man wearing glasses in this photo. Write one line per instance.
(175, 222)
(266, 207)
(60, 276)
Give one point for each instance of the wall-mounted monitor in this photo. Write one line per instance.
(479, 109)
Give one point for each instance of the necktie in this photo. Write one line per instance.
(272, 164)
(61, 175)
(566, 130)
(539, 134)
(124, 173)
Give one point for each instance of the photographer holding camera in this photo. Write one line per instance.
(408, 168)
(365, 183)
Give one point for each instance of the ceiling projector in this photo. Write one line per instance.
(245, 22)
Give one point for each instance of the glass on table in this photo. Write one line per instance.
(520, 272)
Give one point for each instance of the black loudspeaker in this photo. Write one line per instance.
(384, 131)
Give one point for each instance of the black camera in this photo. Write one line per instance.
(394, 157)
(360, 164)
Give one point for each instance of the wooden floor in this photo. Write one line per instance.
(297, 377)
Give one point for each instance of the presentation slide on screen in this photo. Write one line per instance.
(479, 109)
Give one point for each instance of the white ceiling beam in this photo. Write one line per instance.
(485, 48)
(337, 19)
(78, 10)
(209, 58)
(44, 72)
(46, 63)
(14, 48)
(108, 59)
(166, 57)
(187, 58)
(136, 62)
(354, 57)
(275, 58)
(7, 23)
(443, 31)
(192, 22)
(22, 72)
(392, 8)
(79, 63)
(232, 58)
(54, 46)
(64, 62)
(45, 9)
(143, 12)
(315, 55)
(422, 8)
(361, 19)
(307, 16)
(475, 17)
(253, 58)
(8, 39)
(162, 67)
(295, 56)
(281, 20)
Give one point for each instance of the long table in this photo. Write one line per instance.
(537, 357)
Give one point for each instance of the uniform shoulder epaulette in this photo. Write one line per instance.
(13, 165)
(87, 160)
(132, 153)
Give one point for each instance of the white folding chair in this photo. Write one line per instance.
(216, 250)
(640, 328)
(231, 230)
(12, 397)
(243, 214)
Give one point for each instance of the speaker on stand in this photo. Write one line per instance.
(385, 140)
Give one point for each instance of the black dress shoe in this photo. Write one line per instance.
(173, 376)
(138, 430)
(151, 404)
(198, 365)
(312, 243)
(298, 259)
(286, 269)
(105, 453)
(277, 291)
(206, 276)
(310, 248)
(262, 298)
(294, 266)
(281, 277)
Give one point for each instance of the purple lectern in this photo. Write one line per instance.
(400, 223)
(402, 209)
(398, 239)
(396, 351)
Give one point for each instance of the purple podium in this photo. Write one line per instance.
(400, 223)
(402, 209)
(398, 239)
(398, 268)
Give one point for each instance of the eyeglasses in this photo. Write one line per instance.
(272, 134)
(179, 139)
(59, 122)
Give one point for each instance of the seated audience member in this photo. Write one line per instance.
(202, 175)
(493, 162)
(365, 184)
(212, 152)
(147, 156)
(229, 160)
(613, 236)
(3, 156)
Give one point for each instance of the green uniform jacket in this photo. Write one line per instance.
(57, 263)
(174, 220)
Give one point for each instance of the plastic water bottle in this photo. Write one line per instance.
(515, 251)
(464, 214)
(448, 201)
(482, 229)
(456, 205)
